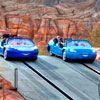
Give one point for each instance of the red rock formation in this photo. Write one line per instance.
(42, 30)
(42, 20)
(2, 20)
(7, 91)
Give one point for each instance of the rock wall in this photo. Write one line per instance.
(42, 30)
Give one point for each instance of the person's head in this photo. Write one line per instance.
(1, 37)
(58, 37)
(15, 36)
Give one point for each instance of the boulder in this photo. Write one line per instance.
(98, 54)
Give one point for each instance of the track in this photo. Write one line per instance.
(69, 80)
(86, 69)
(91, 68)
(47, 80)
(66, 95)
(49, 76)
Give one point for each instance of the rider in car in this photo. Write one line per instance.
(58, 39)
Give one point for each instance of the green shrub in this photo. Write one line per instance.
(95, 37)
(43, 51)
(1, 86)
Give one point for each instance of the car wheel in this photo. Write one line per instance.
(34, 59)
(48, 47)
(51, 54)
(5, 55)
(64, 56)
(91, 61)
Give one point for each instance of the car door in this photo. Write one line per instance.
(1, 47)
(52, 46)
(58, 49)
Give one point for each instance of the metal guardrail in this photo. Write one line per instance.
(16, 79)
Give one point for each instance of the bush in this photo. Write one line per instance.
(1, 86)
(95, 37)
(43, 51)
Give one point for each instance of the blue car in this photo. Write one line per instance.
(18, 48)
(72, 50)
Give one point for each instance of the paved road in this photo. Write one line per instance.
(95, 65)
(30, 85)
(73, 78)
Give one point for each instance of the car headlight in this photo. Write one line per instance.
(72, 50)
(35, 47)
(94, 51)
(12, 46)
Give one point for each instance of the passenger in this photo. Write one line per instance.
(58, 39)
(1, 38)
(4, 40)
(14, 42)
(15, 36)
(81, 44)
(23, 42)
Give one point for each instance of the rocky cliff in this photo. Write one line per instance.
(44, 19)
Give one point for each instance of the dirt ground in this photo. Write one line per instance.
(7, 92)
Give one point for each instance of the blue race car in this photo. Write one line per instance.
(73, 50)
(18, 48)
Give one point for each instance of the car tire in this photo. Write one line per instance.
(48, 48)
(51, 54)
(5, 55)
(91, 61)
(64, 56)
(34, 59)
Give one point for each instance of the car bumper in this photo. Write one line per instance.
(81, 56)
(22, 54)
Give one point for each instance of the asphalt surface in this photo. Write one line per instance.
(30, 85)
(73, 78)
(95, 65)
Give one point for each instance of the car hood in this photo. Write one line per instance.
(81, 49)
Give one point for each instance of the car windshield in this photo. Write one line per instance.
(76, 43)
(17, 41)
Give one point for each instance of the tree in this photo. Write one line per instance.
(95, 37)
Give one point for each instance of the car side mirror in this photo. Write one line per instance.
(57, 44)
(5, 43)
(60, 45)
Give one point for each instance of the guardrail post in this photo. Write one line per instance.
(99, 88)
(16, 79)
